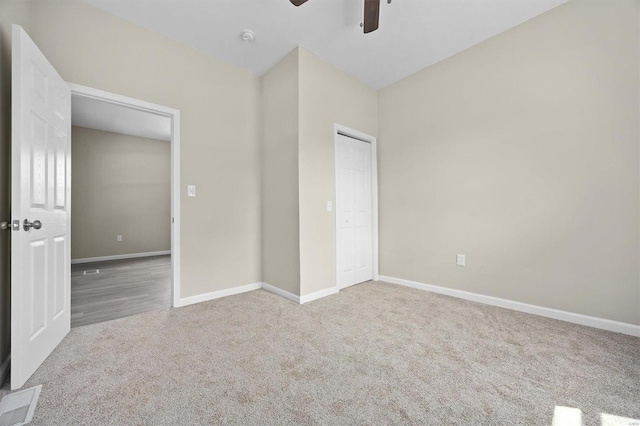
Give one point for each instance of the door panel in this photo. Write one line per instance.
(41, 176)
(37, 286)
(353, 212)
(59, 276)
(60, 172)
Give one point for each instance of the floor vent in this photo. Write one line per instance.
(17, 408)
(92, 272)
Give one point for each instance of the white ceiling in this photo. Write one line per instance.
(101, 115)
(413, 34)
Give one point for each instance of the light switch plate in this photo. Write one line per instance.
(329, 206)
(460, 259)
(191, 190)
(119, 238)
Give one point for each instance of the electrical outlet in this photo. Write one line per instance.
(460, 259)
(119, 238)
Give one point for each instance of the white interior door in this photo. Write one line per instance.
(41, 193)
(354, 247)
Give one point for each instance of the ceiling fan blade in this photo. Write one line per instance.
(371, 15)
(298, 2)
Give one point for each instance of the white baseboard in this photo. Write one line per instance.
(4, 369)
(185, 301)
(280, 292)
(300, 299)
(255, 286)
(318, 294)
(601, 323)
(120, 256)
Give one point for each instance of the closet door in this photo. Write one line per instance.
(354, 248)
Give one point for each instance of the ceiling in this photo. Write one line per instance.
(413, 34)
(101, 115)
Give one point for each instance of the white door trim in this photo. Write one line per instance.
(339, 129)
(174, 115)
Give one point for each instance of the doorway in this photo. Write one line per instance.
(121, 211)
(143, 123)
(356, 207)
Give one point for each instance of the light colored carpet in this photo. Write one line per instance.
(373, 354)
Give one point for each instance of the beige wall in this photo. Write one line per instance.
(280, 215)
(220, 120)
(327, 96)
(521, 153)
(121, 185)
(303, 97)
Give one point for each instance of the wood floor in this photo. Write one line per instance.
(121, 288)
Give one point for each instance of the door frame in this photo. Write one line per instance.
(174, 115)
(339, 129)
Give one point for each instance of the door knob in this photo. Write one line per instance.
(36, 224)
